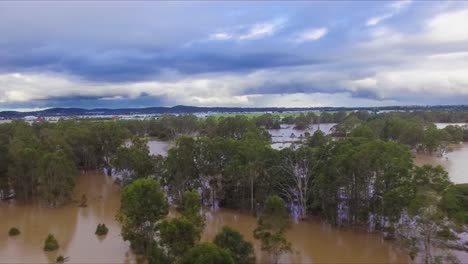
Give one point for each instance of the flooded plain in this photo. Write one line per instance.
(455, 162)
(288, 135)
(74, 228)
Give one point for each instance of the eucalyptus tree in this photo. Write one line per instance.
(178, 236)
(426, 225)
(299, 168)
(207, 253)
(56, 178)
(190, 208)
(143, 206)
(271, 226)
(181, 171)
(4, 144)
(109, 137)
(249, 172)
(24, 153)
(134, 161)
(240, 250)
(365, 182)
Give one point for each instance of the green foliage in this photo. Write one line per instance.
(181, 170)
(143, 205)
(56, 178)
(190, 208)
(14, 231)
(366, 176)
(206, 253)
(178, 235)
(240, 250)
(101, 230)
(51, 243)
(271, 226)
(455, 202)
(109, 137)
(134, 161)
(61, 259)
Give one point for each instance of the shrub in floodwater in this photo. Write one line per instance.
(51, 243)
(13, 231)
(83, 201)
(101, 230)
(60, 259)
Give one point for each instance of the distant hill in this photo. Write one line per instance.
(195, 109)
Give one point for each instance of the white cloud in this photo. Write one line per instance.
(255, 31)
(437, 75)
(221, 36)
(444, 28)
(376, 20)
(400, 4)
(448, 27)
(394, 8)
(311, 34)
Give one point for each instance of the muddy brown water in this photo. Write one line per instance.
(312, 240)
(74, 228)
(454, 162)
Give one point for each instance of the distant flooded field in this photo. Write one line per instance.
(287, 135)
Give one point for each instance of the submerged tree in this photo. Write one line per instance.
(135, 160)
(207, 253)
(190, 208)
(143, 205)
(56, 178)
(241, 250)
(426, 225)
(51, 243)
(178, 236)
(271, 227)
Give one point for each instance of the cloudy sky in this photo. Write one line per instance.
(237, 53)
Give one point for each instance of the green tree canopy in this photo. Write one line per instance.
(241, 250)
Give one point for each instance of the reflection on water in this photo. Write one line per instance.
(454, 162)
(74, 228)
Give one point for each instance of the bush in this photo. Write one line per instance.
(51, 243)
(60, 259)
(13, 231)
(101, 230)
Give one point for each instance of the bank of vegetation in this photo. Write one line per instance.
(363, 177)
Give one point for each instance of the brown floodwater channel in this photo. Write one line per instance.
(74, 227)
(455, 162)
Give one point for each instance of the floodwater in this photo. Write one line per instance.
(287, 135)
(157, 147)
(74, 228)
(454, 162)
(312, 241)
(444, 125)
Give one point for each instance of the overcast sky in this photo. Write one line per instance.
(237, 53)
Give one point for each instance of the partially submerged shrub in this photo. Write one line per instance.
(61, 259)
(13, 231)
(83, 201)
(51, 243)
(101, 230)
